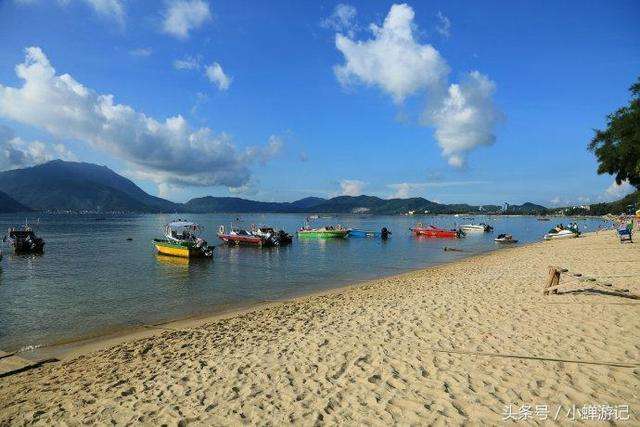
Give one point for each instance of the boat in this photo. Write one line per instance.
(476, 228)
(543, 218)
(24, 240)
(239, 236)
(276, 238)
(433, 231)
(382, 234)
(324, 232)
(182, 239)
(560, 232)
(505, 238)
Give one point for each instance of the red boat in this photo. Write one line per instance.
(240, 237)
(432, 231)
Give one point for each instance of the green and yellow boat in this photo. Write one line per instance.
(182, 240)
(328, 232)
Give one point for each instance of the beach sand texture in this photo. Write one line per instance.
(447, 345)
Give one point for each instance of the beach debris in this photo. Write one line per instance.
(448, 249)
(552, 285)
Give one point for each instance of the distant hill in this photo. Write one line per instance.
(9, 205)
(61, 185)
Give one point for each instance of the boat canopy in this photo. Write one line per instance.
(181, 229)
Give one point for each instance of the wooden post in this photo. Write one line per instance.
(553, 280)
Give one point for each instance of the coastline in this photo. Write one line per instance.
(70, 348)
(454, 342)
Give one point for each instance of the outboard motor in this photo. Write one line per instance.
(384, 233)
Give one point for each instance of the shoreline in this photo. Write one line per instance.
(451, 344)
(83, 344)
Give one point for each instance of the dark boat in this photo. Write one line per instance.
(276, 238)
(24, 240)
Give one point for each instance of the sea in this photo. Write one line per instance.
(100, 273)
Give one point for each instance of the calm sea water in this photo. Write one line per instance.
(91, 280)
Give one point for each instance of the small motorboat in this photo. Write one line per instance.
(24, 240)
(476, 228)
(182, 239)
(238, 236)
(560, 232)
(505, 238)
(433, 231)
(276, 238)
(382, 234)
(327, 232)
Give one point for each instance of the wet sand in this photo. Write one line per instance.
(447, 345)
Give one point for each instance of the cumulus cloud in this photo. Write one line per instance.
(342, 19)
(265, 153)
(463, 114)
(168, 151)
(182, 16)
(216, 75)
(109, 9)
(187, 63)
(405, 190)
(392, 60)
(352, 187)
(444, 25)
(615, 191)
(141, 52)
(15, 153)
(465, 118)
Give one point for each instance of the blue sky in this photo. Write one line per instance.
(464, 102)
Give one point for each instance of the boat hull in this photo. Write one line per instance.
(165, 247)
(328, 234)
(555, 236)
(427, 232)
(242, 240)
(363, 233)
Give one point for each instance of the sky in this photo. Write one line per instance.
(457, 102)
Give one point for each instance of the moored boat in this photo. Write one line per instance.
(182, 240)
(24, 240)
(476, 228)
(238, 236)
(324, 232)
(276, 238)
(561, 232)
(382, 234)
(433, 231)
(505, 238)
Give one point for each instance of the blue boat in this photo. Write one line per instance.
(384, 233)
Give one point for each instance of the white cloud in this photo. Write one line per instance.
(15, 153)
(263, 154)
(405, 190)
(182, 16)
(187, 63)
(110, 9)
(141, 52)
(463, 114)
(216, 75)
(615, 191)
(466, 118)
(342, 19)
(444, 25)
(168, 151)
(392, 59)
(352, 187)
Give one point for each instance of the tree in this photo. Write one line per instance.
(618, 146)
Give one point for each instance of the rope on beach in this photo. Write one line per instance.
(538, 358)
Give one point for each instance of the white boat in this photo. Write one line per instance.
(562, 234)
(505, 238)
(477, 228)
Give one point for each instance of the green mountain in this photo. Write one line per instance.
(60, 185)
(9, 205)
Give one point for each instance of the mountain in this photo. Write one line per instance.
(526, 208)
(61, 185)
(8, 205)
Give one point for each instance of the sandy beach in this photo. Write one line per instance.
(453, 344)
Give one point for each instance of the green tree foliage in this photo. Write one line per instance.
(618, 146)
